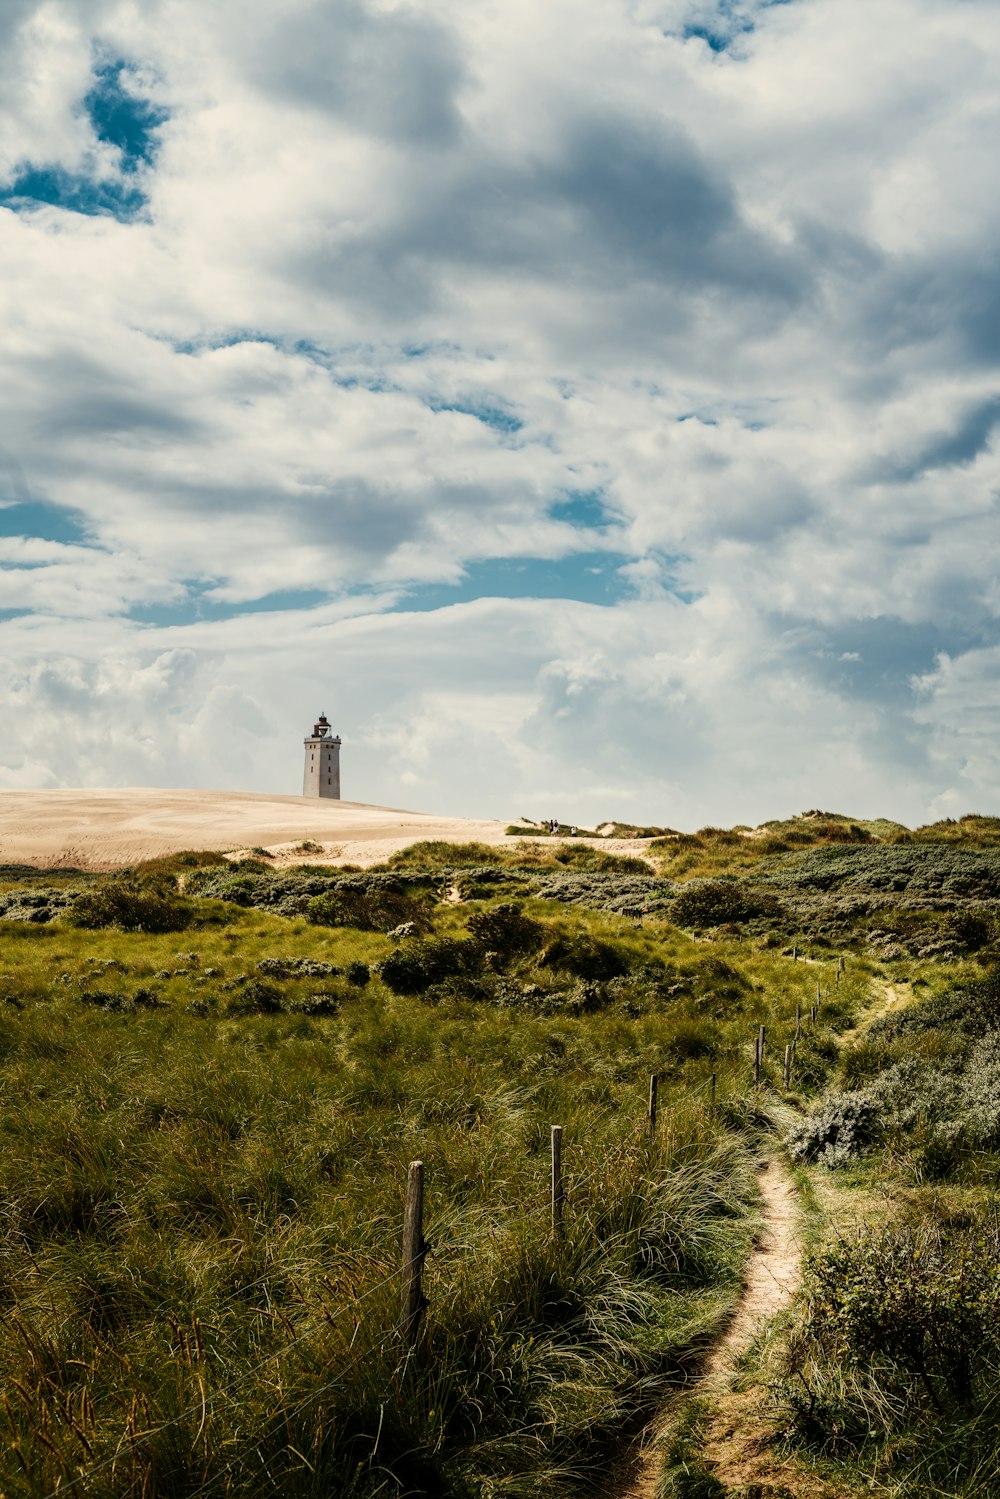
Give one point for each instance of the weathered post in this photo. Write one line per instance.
(756, 1061)
(840, 965)
(818, 991)
(558, 1195)
(798, 1020)
(414, 1250)
(795, 953)
(788, 1068)
(653, 1086)
(763, 1041)
(713, 1093)
(812, 1015)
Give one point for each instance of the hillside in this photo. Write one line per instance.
(219, 1068)
(104, 829)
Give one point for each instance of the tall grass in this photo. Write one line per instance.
(893, 1366)
(202, 1204)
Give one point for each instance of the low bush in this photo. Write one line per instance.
(285, 968)
(412, 969)
(506, 931)
(131, 907)
(366, 910)
(255, 998)
(621, 895)
(971, 930)
(712, 903)
(911, 1093)
(911, 1315)
(941, 872)
(36, 906)
(437, 854)
(584, 956)
(969, 1010)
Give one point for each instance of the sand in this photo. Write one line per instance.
(106, 829)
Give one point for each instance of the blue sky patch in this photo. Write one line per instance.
(496, 417)
(719, 41)
(113, 198)
(197, 607)
(43, 522)
(587, 577)
(582, 507)
(119, 119)
(733, 19)
(122, 119)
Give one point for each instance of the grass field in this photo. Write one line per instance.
(215, 1079)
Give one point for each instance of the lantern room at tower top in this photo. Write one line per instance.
(321, 776)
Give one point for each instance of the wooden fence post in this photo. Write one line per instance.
(812, 1015)
(558, 1195)
(840, 965)
(763, 1041)
(756, 1061)
(414, 1249)
(798, 1020)
(713, 1093)
(818, 992)
(653, 1086)
(795, 953)
(788, 1068)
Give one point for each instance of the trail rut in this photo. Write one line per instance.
(771, 1280)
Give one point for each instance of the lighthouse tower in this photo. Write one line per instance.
(322, 771)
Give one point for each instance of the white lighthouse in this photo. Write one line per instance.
(322, 769)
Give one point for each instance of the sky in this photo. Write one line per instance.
(593, 407)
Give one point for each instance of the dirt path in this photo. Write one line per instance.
(772, 1275)
(738, 1438)
(771, 1281)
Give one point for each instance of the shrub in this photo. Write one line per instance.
(944, 873)
(585, 957)
(358, 974)
(438, 854)
(283, 968)
(716, 902)
(969, 1010)
(35, 906)
(412, 969)
(255, 998)
(841, 1129)
(505, 930)
(318, 1005)
(622, 895)
(366, 910)
(238, 889)
(124, 904)
(911, 1093)
(922, 1301)
(378, 901)
(971, 930)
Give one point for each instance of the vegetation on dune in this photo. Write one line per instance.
(218, 1072)
(891, 1368)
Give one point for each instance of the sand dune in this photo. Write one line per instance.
(104, 829)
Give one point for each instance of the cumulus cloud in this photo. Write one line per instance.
(307, 313)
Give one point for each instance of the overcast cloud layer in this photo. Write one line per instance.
(592, 406)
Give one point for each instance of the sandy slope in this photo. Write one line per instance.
(107, 828)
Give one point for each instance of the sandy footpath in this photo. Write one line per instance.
(104, 829)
